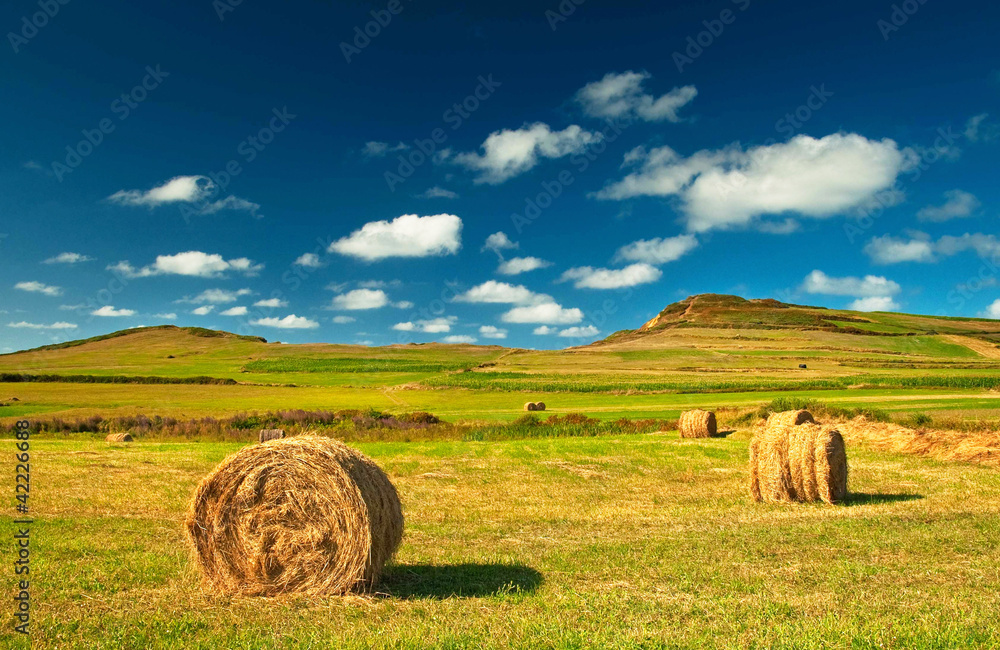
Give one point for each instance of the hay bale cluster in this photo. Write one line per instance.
(697, 424)
(534, 406)
(118, 437)
(792, 458)
(304, 514)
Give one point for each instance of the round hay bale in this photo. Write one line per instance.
(697, 424)
(304, 514)
(754, 476)
(773, 473)
(830, 463)
(270, 434)
(530, 406)
(793, 418)
(118, 437)
(801, 461)
(539, 406)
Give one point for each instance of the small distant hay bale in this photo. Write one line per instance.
(539, 406)
(697, 424)
(793, 418)
(118, 437)
(270, 434)
(806, 462)
(530, 406)
(304, 514)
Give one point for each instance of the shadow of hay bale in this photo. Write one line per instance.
(437, 581)
(865, 499)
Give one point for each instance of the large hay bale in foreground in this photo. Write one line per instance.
(304, 514)
(270, 434)
(530, 406)
(697, 424)
(805, 462)
(794, 418)
(118, 437)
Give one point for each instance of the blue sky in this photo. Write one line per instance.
(528, 174)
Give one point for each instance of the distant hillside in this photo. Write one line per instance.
(193, 331)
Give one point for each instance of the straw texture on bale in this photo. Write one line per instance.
(118, 437)
(539, 406)
(270, 434)
(798, 463)
(530, 406)
(697, 424)
(794, 418)
(304, 514)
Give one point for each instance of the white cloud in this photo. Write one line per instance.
(657, 250)
(403, 304)
(342, 320)
(438, 193)
(993, 311)
(308, 260)
(110, 311)
(580, 332)
(216, 296)
(230, 203)
(271, 303)
(518, 265)
(39, 287)
(290, 322)
(234, 311)
(377, 284)
(893, 250)
(183, 189)
(874, 303)
(166, 316)
(544, 330)
(68, 258)
(492, 332)
(621, 95)
(497, 242)
(731, 187)
(977, 129)
(492, 291)
(375, 149)
(508, 153)
(459, 338)
(361, 299)
(405, 236)
(430, 326)
(587, 277)
(547, 312)
(61, 325)
(958, 204)
(190, 263)
(868, 287)
(204, 310)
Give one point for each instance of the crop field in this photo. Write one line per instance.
(590, 525)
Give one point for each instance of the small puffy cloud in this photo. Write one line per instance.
(518, 265)
(166, 316)
(621, 95)
(183, 189)
(977, 129)
(68, 258)
(308, 260)
(290, 322)
(230, 203)
(110, 312)
(234, 311)
(544, 330)
(893, 250)
(510, 152)
(497, 242)
(993, 311)
(375, 149)
(438, 193)
(271, 303)
(216, 296)
(579, 332)
(732, 188)
(403, 304)
(405, 236)
(874, 303)
(39, 287)
(492, 291)
(657, 250)
(868, 287)
(61, 325)
(550, 313)
(492, 332)
(361, 299)
(587, 277)
(459, 338)
(204, 310)
(343, 320)
(190, 263)
(430, 326)
(958, 204)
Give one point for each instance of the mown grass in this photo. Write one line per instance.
(605, 542)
